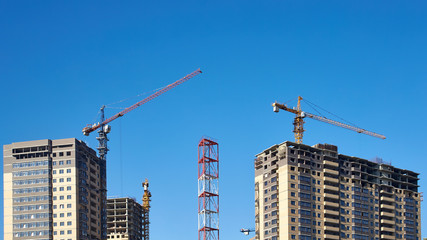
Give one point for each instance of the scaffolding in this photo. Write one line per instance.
(208, 174)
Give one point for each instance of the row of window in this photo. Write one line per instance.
(61, 171)
(62, 215)
(31, 173)
(32, 233)
(69, 223)
(61, 189)
(60, 154)
(31, 190)
(61, 180)
(31, 164)
(31, 225)
(61, 206)
(62, 197)
(62, 232)
(54, 163)
(31, 207)
(31, 181)
(31, 199)
(31, 216)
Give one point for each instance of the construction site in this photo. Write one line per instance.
(301, 191)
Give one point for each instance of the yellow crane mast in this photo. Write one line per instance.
(146, 198)
(299, 121)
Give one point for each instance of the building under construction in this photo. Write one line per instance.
(124, 219)
(315, 193)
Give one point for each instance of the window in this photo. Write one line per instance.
(61, 180)
(61, 171)
(61, 197)
(68, 179)
(69, 170)
(61, 188)
(68, 188)
(69, 223)
(61, 163)
(61, 224)
(61, 154)
(54, 163)
(61, 232)
(61, 215)
(69, 232)
(68, 196)
(68, 153)
(292, 176)
(69, 214)
(54, 180)
(54, 172)
(68, 162)
(54, 189)
(69, 205)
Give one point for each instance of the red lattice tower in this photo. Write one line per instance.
(208, 190)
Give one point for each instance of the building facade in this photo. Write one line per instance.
(315, 193)
(124, 219)
(52, 190)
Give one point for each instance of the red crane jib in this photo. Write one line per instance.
(88, 130)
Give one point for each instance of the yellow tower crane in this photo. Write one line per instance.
(146, 198)
(299, 121)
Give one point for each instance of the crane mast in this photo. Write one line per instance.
(299, 121)
(146, 211)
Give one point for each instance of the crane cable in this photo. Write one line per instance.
(310, 103)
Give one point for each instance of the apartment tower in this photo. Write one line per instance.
(315, 193)
(52, 190)
(124, 219)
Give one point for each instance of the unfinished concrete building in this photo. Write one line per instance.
(52, 190)
(124, 219)
(314, 193)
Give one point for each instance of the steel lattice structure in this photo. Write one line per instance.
(208, 174)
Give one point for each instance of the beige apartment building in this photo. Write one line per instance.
(124, 219)
(52, 190)
(315, 193)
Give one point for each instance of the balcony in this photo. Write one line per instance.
(330, 236)
(387, 206)
(332, 220)
(388, 199)
(331, 228)
(332, 204)
(386, 221)
(387, 214)
(331, 212)
(333, 196)
(385, 236)
(330, 163)
(387, 229)
(330, 179)
(330, 171)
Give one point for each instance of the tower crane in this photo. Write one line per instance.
(103, 126)
(299, 121)
(146, 199)
(103, 129)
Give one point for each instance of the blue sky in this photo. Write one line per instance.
(362, 60)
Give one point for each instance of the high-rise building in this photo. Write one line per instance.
(124, 219)
(315, 193)
(52, 190)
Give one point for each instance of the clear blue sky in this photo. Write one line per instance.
(363, 60)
